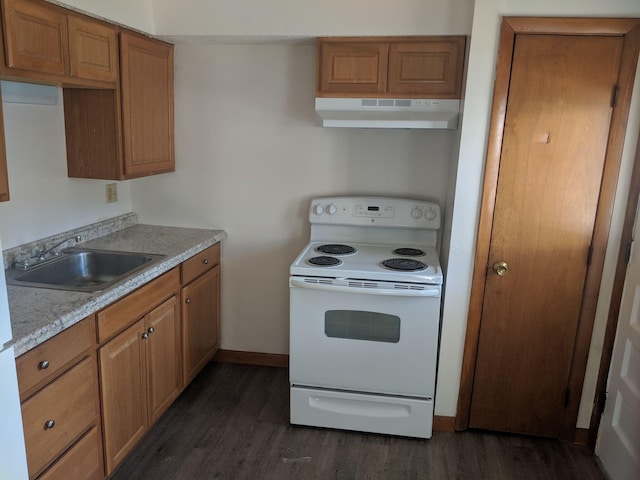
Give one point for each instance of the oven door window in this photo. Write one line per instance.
(361, 325)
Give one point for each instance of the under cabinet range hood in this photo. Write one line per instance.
(388, 113)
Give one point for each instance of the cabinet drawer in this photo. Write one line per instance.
(200, 263)
(59, 414)
(83, 460)
(40, 365)
(134, 306)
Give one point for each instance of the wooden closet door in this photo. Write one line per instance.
(555, 140)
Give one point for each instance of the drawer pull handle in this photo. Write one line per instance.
(49, 424)
(206, 261)
(151, 330)
(188, 300)
(145, 335)
(43, 365)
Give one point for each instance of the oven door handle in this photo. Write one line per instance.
(427, 292)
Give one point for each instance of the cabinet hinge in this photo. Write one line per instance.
(589, 255)
(614, 96)
(627, 253)
(602, 402)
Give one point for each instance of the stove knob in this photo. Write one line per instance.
(430, 215)
(331, 209)
(318, 210)
(416, 212)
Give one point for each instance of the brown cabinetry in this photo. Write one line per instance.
(140, 370)
(147, 105)
(58, 384)
(200, 310)
(47, 43)
(127, 132)
(93, 50)
(402, 67)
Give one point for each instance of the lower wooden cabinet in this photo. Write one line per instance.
(139, 378)
(200, 310)
(84, 412)
(82, 461)
(58, 383)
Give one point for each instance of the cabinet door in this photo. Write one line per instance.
(124, 393)
(352, 68)
(200, 322)
(93, 50)
(432, 68)
(36, 36)
(163, 357)
(147, 105)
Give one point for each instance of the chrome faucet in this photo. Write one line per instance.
(41, 254)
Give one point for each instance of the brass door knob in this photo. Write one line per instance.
(501, 268)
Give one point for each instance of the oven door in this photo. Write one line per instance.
(377, 337)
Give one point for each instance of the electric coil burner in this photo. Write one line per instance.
(324, 261)
(404, 264)
(364, 332)
(409, 252)
(336, 249)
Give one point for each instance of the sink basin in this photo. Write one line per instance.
(82, 270)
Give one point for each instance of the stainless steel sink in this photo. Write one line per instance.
(82, 270)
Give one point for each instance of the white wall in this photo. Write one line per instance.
(44, 201)
(479, 91)
(137, 14)
(308, 18)
(249, 159)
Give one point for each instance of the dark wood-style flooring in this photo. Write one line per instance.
(232, 423)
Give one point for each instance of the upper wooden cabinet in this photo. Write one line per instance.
(404, 67)
(147, 105)
(126, 132)
(50, 44)
(93, 50)
(35, 36)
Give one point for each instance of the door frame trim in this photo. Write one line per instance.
(510, 27)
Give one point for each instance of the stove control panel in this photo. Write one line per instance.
(375, 211)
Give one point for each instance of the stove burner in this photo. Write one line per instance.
(404, 264)
(409, 252)
(336, 249)
(324, 261)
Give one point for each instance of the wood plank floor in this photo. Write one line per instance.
(232, 423)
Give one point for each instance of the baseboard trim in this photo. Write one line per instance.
(252, 358)
(444, 424)
(581, 437)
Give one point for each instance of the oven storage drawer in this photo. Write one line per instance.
(408, 417)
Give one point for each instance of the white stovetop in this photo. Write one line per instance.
(366, 264)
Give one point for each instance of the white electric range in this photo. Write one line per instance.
(364, 316)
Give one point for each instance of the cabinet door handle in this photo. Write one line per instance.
(43, 365)
(145, 335)
(49, 424)
(188, 300)
(206, 261)
(151, 330)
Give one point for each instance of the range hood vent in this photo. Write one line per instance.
(388, 113)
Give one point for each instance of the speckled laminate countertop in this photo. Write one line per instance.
(38, 314)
